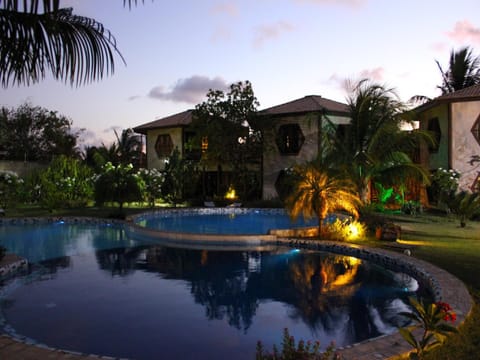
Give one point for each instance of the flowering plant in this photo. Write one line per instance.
(444, 184)
(432, 319)
(10, 183)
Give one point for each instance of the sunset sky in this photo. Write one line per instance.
(176, 50)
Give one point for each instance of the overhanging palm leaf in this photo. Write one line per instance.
(463, 71)
(38, 37)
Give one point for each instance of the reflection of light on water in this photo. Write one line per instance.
(294, 251)
(231, 216)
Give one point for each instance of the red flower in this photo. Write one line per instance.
(449, 314)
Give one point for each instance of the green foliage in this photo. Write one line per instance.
(412, 207)
(153, 181)
(443, 186)
(66, 183)
(118, 184)
(10, 185)
(316, 193)
(465, 206)
(292, 351)
(180, 178)
(35, 134)
(431, 318)
(373, 147)
(384, 194)
(49, 39)
(463, 71)
(225, 120)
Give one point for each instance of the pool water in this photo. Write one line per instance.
(93, 289)
(223, 221)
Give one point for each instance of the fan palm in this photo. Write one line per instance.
(316, 193)
(37, 37)
(463, 71)
(373, 146)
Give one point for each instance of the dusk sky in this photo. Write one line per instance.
(176, 50)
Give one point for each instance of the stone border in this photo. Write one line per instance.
(444, 286)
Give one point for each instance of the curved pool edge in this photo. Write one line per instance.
(444, 286)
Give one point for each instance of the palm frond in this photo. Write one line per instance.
(36, 40)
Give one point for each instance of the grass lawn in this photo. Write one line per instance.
(435, 238)
(441, 241)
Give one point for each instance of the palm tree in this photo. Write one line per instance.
(373, 146)
(463, 71)
(37, 37)
(315, 194)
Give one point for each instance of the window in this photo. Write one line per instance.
(476, 130)
(163, 145)
(290, 139)
(434, 127)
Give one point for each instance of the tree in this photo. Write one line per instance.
(179, 174)
(127, 149)
(37, 37)
(66, 183)
(316, 193)
(34, 133)
(118, 184)
(463, 71)
(224, 123)
(373, 146)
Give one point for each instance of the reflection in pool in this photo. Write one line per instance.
(95, 290)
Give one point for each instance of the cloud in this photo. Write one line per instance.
(190, 90)
(465, 32)
(375, 74)
(348, 3)
(229, 9)
(269, 32)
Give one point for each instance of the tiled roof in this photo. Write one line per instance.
(468, 94)
(463, 94)
(180, 119)
(310, 103)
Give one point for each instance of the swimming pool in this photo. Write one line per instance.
(95, 289)
(235, 221)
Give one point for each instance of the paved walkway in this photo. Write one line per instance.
(449, 288)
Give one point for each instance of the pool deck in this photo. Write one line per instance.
(445, 287)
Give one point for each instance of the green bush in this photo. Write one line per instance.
(10, 185)
(118, 184)
(66, 183)
(152, 180)
(291, 351)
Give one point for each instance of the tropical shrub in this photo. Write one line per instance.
(443, 186)
(65, 183)
(316, 193)
(180, 178)
(118, 183)
(153, 181)
(432, 319)
(292, 351)
(10, 184)
(344, 230)
(465, 206)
